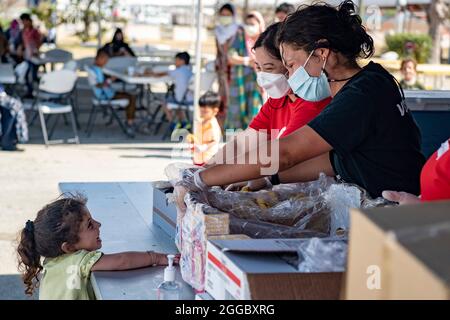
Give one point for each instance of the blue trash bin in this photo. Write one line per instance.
(431, 110)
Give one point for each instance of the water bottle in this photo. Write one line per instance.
(169, 289)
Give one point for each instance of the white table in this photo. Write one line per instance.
(44, 59)
(136, 79)
(125, 212)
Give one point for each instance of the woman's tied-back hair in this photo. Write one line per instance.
(338, 28)
(56, 223)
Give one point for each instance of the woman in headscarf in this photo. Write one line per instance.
(14, 38)
(245, 97)
(225, 33)
(118, 47)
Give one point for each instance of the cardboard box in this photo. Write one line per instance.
(252, 269)
(164, 213)
(203, 296)
(400, 253)
(165, 216)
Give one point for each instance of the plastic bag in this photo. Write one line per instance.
(340, 198)
(322, 255)
(290, 205)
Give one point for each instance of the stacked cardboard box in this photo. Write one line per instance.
(253, 269)
(400, 253)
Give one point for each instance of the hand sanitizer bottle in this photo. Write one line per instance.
(169, 289)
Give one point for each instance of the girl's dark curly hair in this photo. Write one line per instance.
(56, 223)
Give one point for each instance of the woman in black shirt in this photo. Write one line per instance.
(366, 135)
(118, 47)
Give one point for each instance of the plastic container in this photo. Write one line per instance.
(169, 289)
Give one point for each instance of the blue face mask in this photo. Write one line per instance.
(307, 87)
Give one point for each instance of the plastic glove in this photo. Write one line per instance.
(400, 197)
(190, 181)
(252, 185)
(201, 147)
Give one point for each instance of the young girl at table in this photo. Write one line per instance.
(60, 248)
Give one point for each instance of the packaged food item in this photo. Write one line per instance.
(316, 209)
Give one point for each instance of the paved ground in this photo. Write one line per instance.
(29, 179)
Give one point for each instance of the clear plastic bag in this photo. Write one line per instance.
(289, 205)
(340, 198)
(322, 255)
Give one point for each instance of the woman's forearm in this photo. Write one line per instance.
(239, 145)
(308, 170)
(276, 156)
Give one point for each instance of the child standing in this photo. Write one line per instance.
(208, 133)
(68, 238)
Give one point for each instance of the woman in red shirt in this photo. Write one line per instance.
(283, 112)
(434, 180)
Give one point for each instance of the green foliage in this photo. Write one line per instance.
(85, 12)
(44, 12)
(421, 50)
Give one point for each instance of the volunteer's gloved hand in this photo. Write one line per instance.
(400, 197)
(191, 181)
(201, 147)
(252, 185)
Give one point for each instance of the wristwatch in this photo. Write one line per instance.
(275, 179)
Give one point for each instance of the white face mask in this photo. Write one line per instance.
(276, 84)
(251, 30)
(225, 20)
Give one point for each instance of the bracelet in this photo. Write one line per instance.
(275, 179)
(246, 61)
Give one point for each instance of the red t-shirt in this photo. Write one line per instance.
(435, 176)
(286, 115)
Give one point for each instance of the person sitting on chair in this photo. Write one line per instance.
(118, 47)
(180, 96)
(104, 91)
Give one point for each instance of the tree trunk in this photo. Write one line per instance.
(87, 21)
(435, 35)
(437, 15)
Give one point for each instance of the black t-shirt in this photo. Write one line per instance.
(375, 140)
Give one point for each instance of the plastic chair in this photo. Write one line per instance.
(85, 62)
(71, 65)
(61, 83)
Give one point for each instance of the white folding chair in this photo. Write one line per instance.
(71, 65)
(85, 62)
(61, 83)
